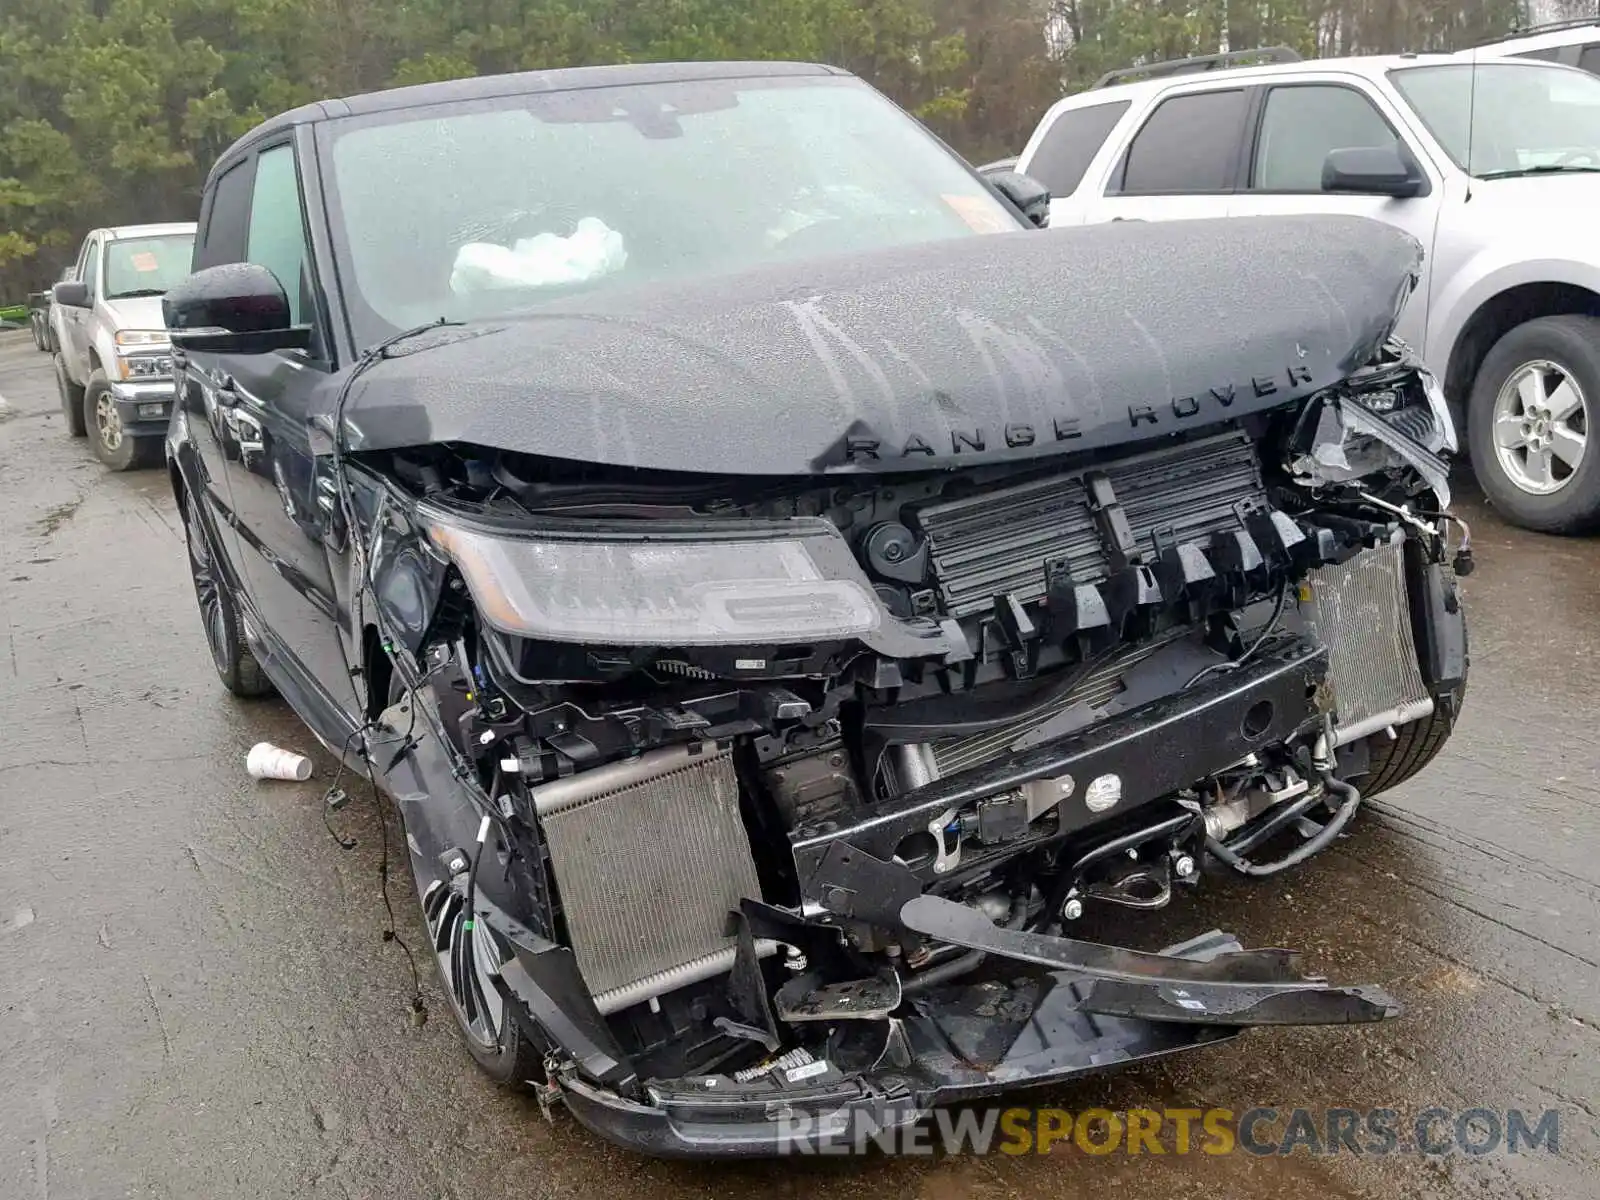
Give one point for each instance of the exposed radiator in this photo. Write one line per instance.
(998, 542)
(649, 857)
(1360, 612)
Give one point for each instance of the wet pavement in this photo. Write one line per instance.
(196, 1000)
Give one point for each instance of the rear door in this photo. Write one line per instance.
(1293, 127)
(1182, 162)
(284, 524)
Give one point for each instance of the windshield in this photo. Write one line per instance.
(481, 208)
(146, 266)
(1516, 117)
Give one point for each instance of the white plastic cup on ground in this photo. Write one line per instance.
(266, 761)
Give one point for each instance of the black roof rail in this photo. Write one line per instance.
(1546, 27)
(1201, 62)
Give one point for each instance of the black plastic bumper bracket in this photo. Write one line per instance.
(1234, 987)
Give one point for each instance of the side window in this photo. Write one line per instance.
(1548, 54)
(1189, 144)
(276, 232)
(1071, 143)
(1301, 124)
(1589, 60)
(222, 237)
(91, 270)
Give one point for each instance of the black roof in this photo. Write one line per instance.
(480, 87)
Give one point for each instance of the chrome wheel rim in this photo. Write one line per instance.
(1541, 427)
(469, 961)
(106, 421)
(207, 590)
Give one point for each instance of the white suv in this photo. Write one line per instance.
(1492, 163)
(1575, 43)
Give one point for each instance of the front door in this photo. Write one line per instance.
(1299, 124)
(204, 387)
(78, 321)
(283, 529)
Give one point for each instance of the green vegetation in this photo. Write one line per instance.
(111, 111)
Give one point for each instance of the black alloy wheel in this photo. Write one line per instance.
(236, 664)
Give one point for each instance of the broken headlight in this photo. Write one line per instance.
(754, 583)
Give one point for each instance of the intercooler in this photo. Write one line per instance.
(1359, 610)
(998, 542)
(649, 857)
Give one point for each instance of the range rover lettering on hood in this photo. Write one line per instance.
(983, 349)
(1213, 404)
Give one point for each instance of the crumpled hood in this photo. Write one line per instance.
(947, 354)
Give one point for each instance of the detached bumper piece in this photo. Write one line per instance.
(959, 1043)
(1235, 987)
(1103, 1007)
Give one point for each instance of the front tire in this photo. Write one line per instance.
(71, 400)
(1532, 406)
(113, 444)
(467, 962)
(1415, 744)
(236, 663)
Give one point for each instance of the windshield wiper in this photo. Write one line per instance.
(137, 293)
(1542, 169)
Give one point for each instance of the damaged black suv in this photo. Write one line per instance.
(777, 611)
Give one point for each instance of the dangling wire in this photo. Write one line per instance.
(412, 684)
(331, 803)
(1267, 631)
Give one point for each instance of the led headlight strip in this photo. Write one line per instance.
(752, 583)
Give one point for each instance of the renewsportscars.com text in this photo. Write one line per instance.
(1181, 1131)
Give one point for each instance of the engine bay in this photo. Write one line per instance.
(1079, 681)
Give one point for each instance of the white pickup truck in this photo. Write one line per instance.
(113, 358)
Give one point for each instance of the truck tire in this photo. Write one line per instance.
(113, 445)
(71, 400)
(1533, 404)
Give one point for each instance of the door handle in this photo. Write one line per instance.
(333, 524)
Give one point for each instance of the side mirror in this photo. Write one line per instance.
(71, 293)
(235, 308)
(1372, 171)
(1030, 196)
